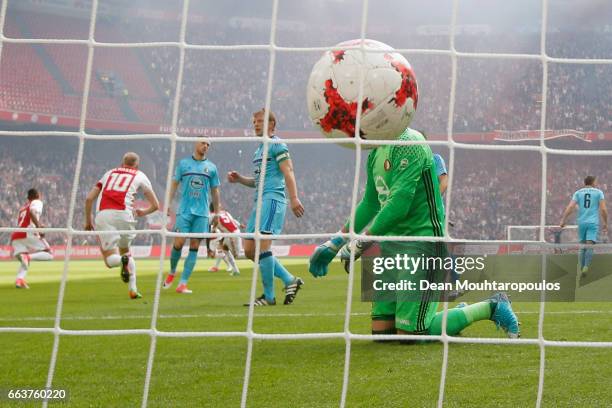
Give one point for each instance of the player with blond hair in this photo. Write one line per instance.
(279, 176)
(115, 193)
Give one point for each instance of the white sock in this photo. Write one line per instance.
(21, 273)
(232, 262)
(132, 269)
(217, 261)
(113, 260)
(41, 256)
(23, 260)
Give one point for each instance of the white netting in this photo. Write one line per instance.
(552, 233)
(172, 137)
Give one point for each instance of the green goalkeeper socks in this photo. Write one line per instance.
(477, 311)
(456, 321)
(459, 319)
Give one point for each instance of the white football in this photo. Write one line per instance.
(390, 93)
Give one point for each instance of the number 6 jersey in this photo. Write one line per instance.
(588, 199)
(118, 187)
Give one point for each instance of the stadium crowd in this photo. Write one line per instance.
(220, 88)
(491, 94)
(490, 190)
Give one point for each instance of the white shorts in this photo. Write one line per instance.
(233, 244)
(29, 245)
(113, 220)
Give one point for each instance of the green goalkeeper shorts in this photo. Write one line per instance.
(412, 311)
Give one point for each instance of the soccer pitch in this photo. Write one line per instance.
(110, 371)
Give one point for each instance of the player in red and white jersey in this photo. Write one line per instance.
(226, 248)
(29, 246)
(115, 193)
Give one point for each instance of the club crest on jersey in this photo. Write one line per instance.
(196, 183)
(403, 164)
(387, 165)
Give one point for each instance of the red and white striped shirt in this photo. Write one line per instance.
(24, 220)
(227, 223)
(119, 186)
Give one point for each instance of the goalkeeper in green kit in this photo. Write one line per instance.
(402, 198)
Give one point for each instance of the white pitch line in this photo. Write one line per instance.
(244, 315)
(176, 316)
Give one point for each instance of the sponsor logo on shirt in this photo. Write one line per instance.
(196, 183)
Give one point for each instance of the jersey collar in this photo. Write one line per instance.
(271, 137)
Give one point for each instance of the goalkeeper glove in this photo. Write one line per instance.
(360, 248)
(323, 255)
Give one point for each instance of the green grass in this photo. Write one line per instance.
(109, 371)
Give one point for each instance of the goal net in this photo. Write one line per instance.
(552, 233)
(274, 52)
(530, 238)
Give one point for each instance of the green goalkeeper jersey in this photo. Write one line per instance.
(402, 196)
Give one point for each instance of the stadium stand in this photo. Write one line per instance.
(220, 89)
(491, 190)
